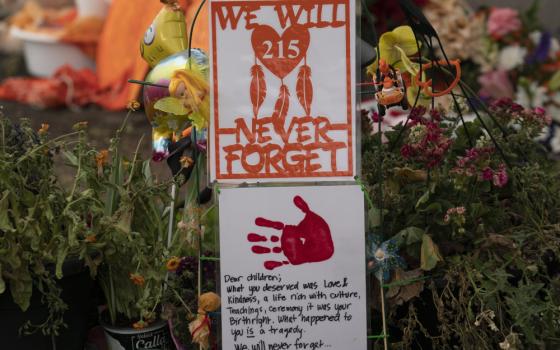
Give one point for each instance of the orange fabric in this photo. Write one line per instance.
(67, 87)
(118, 56)
(84, 33)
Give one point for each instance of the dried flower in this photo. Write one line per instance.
(133, 105)
(80, 126)
(137, 279)
(460, 29)
(91, 238)
(182, 225)
(173, 263)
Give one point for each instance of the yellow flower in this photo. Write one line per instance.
(101, 157)
(395, 47)
(44, 129)
(186, 161)
(133, 105)
(173, 263)
(140, 324)
(137, 279)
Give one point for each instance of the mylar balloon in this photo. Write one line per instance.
(168, 121)
(166, 36)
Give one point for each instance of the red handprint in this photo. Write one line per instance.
(307, 242)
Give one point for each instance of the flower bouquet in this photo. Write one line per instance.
(464, 231)
(129, 224)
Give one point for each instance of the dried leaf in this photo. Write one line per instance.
(304, 88)
(281, 110)
(411, 175)
(400, 294)
(258, 88)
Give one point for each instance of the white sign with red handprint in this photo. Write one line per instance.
(283, 90)
(293, 268)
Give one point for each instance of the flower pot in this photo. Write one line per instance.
(154, 337)
(76, 293)
(45, 53)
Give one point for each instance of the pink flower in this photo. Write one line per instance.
(496, 84)
(461, 210)
(487, 174)
(503, 21)
(500, 178)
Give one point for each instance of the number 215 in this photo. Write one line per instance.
(292, 49)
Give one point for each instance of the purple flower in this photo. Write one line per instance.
(541, 51)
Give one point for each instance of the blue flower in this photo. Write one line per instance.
(383, 258)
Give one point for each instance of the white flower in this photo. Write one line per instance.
(505, 345)
(532, 96)
(535, 36)
(553, 107)
(555, 142)
(554, 48)
(511, 57)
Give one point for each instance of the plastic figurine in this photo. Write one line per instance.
(165, 48)
(391, 90)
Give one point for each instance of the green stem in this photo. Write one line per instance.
(41, 147)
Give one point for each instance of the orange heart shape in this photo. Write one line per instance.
(280, 54)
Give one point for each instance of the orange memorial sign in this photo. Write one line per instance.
(283, 90)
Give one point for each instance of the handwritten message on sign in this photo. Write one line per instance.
(283, 97)
(293, 271)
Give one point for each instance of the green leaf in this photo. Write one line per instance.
(409, 236)
(423, 99)
(2, 283)
(554, 83)
(432, 208)
(72, 159)
(429, 253)
(60, 258)
(5, 224)
(22, 288)
(424, 199)
(374, 217)
(171, 105)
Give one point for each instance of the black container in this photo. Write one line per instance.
(154, 337)
(76, 287)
